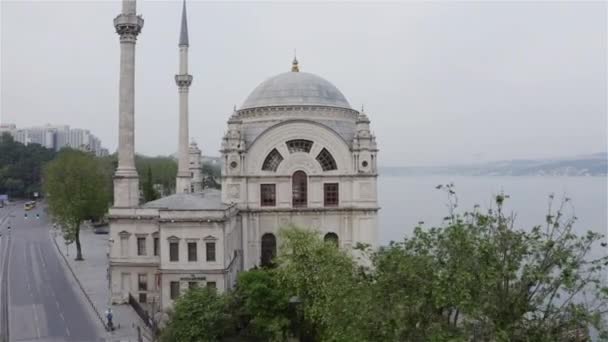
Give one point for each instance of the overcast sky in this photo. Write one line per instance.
(442, 82)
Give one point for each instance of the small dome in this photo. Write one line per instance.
(295, 89)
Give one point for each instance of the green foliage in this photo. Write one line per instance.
(77, 187)
(200, 315)
(150, 194)
(327, 282)
(476, 278)
(211, 169)
(211, 172)
(261, 304)
(21, 167)
(163, 169)
(480, 277)
(108, 165)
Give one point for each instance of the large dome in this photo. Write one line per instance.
(295, 89)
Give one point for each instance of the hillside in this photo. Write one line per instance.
(587, 165)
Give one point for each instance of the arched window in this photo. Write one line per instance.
(299, 145)
(332, 238)
(269, 249)
(299, 189)
(326, 160)
(272, 161)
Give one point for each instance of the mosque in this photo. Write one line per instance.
(294, 153)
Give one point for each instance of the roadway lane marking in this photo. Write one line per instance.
(36, 319)
(67, 330)
(61, 315)
(41, 257)
(29, 286)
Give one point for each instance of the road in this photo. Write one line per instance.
(43, 304)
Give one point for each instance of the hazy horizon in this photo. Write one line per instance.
(442, 83)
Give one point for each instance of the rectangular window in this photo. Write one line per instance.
(192, 284)
(124, 246)
(142, 282)
(191, 251)
(210, 246)
(143, 297)
(211, 285)
(268, 195)
(141, 246)
(173, 251)
(331, 194)
(156, 246)
(174, 289)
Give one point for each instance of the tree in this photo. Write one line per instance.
(211, 172)
(77, 190)
(477, 277)
(150, 194)
(21, 166)
(164, 171)
(261, 306)
(481, 278)
(200, 315)
(327, 283)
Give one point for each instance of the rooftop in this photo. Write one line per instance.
(295, 89)
(208, 199)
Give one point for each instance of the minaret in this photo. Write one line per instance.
(183, 80)
(126, 182)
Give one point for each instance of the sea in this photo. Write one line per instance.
(407, 200)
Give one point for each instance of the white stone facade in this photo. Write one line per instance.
(196, 168)
(352, 218)
(295, 153)
(206, 251)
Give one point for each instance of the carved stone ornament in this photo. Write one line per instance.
(183, 80)
(234, 190)
(128, 26)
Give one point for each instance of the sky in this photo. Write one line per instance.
(442, 82)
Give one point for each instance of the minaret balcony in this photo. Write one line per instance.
(128, 25)
(183, 80)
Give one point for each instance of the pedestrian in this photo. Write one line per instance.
(109, 317)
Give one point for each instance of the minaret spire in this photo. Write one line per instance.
(183, 35)
(183, 81)
(294, 63)
(126, 181)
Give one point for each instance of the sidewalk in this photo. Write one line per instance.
(91, 274)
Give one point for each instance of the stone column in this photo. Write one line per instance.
(126, 182)
(183, 81)
(183, 180)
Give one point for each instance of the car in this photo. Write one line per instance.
(29, 205)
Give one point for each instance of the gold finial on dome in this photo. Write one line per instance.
(294, 63)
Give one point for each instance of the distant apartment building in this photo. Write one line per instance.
(56, 137)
